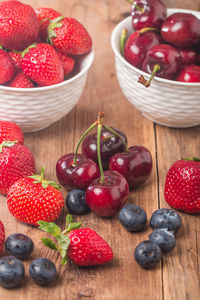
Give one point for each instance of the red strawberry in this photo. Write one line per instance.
(67, 62)
(83, 246)
(182, 185)
(19, 26)
(68, 36)
(33, 198)
(41, 64)
(21, 81)
(2, 236)
(44, 15)
(87, 248)
(16, 161)
(10, 131)
(16, 57)
(7, 67)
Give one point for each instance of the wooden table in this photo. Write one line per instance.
(178, 276)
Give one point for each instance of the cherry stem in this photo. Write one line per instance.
(99, 128)
(145, 82)
(136, 6)
(122, 40)
(147, 29)
(81, 139)
(117, 134)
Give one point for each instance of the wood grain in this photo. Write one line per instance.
(178, 275)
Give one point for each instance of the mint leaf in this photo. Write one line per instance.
(63, 254)
(73, 226)
(49, 243)
(69, 219)
(63, 242)
(51, 228)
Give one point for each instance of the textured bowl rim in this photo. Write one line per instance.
(90, 56)
(122, 59)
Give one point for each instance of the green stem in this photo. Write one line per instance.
(117, 134)
(122, 40)
(99, 127)
(81, 139)
(136, 6)
(145, 82)
(42, 173)
(147, 29)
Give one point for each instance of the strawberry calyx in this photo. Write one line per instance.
(26, 50)
(55, 23)
(62, 240)
(39, 178)
(194, 158)
(7, 144)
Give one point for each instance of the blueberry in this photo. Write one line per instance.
(43, 271)
(147, 254)
(75, 202)
(19, 245)
(11, 272)
(133, 217)
(163, 238)
(165, 218)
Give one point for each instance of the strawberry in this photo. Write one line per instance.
(44, 15)
(7, 67)
(21, 81)
(67, 62)
(16, 57)
(19, 26)
(33, 198)
(182, 185)
(68, 36)
(10, 131)
(2, 236)
(82, 246)
(16, 161)
(40, 63)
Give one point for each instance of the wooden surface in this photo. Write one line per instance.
(178, 276)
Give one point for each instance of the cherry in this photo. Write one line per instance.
(109, 145)
(161, 60)
(189, 73)
(148, 13)
(138, 43)
(76, 173)
(181, 30)
(188, 56)
(105, 198)
(135, 165)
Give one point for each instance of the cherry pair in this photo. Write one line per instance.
(106, 192)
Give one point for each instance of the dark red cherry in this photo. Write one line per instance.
(135, 165)
(109, 145)
(148, 13)
(79, 175)
(106, 198)
(189, 73)
(138, 43)
(161, 60)
(181, 30)
(188, 56)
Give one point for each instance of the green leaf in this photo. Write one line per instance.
(73, 226)
(63, 254)
(49, 243)
(63, 242)
(69, 219)
(51, 228)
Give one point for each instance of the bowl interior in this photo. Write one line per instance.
(126, 23)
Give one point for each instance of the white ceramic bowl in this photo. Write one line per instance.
(37, 108)
(166, 102)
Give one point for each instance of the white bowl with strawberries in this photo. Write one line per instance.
(45, 62)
